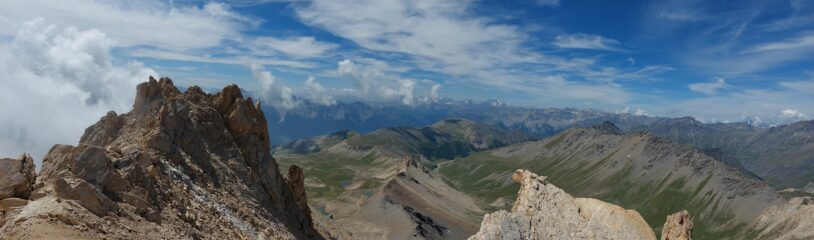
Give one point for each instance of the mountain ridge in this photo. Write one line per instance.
(179, 165)
(782, 155)
(638, 171)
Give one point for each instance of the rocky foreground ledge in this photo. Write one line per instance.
(543, 211)
(180, 165)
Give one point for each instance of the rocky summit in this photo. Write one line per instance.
(543, 211)
(180, 165)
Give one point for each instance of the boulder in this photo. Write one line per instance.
(17, 177)
(10, 203)
(93, 165)
(86, 194)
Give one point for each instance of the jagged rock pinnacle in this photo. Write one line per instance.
(179, 165)
(677, 227)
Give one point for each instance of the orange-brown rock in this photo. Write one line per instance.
(296, 181)
(188, 165)
(16, 177)
(543, 211)
(677, 227)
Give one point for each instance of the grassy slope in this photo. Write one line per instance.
(333, 172)
(487, 176)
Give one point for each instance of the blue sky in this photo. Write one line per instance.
(714, 60)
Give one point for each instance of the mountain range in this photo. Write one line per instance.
(639, 170)
(752, 148)
(782, 155)
(195, 165)
(309, 119)
(361, 179)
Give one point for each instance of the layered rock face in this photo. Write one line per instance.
(543, 211)
(180, 165)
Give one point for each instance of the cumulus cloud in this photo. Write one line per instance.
(434, 91)
(448, 38)
(642, 112)
(710, 87)
(57, 81)
(317, 93)
(373, 84)
(793, 114)
(272, 90)
(586, 41)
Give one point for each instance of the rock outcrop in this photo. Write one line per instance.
(296, 182)
(16, 177)
(677, 227)
(543, 211)
(180, 165)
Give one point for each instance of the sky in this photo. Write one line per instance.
(66, 63)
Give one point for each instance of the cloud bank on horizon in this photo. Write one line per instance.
(68, 62)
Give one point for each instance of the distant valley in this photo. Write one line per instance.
(753, 149)
(637, 170)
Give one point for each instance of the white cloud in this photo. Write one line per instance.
(679, 10)
(272, 90)
(805, 41)
(446, 37)
(638, 112)
(56, 82)
(135, 23)
(586, 41)
(440, 35)
(234, 60)
(317, 93)
(679, 15)
(295, 46)
(434, 91)
(793, 114)
(803, 86)
(548, 3)
(765, 104)
(374, 85)
(710, 87)
(612, 74)
(642, 112)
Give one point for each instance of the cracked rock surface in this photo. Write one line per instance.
(180, 165)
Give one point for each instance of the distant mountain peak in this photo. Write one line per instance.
(609, 128)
